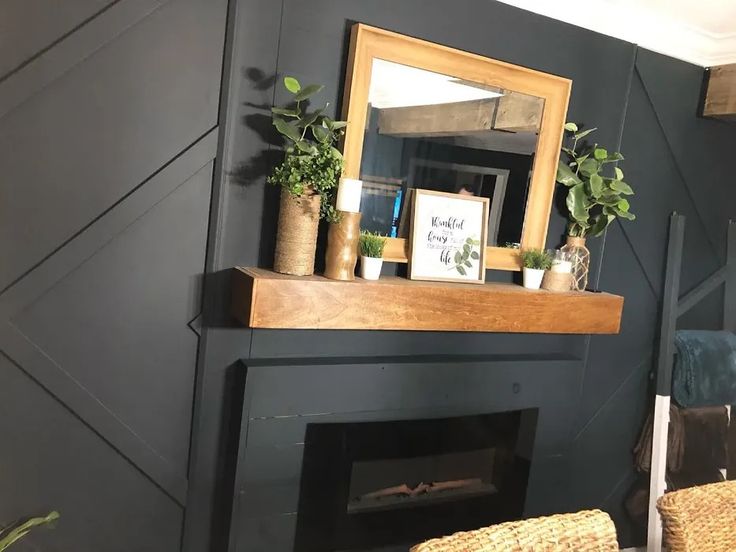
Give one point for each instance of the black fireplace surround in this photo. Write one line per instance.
(378, 454)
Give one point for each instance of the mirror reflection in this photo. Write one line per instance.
(436, 132)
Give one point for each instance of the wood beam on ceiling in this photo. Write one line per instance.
(720, 93)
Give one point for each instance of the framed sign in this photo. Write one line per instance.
(448, 237)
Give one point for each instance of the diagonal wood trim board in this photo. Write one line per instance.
(265, 299)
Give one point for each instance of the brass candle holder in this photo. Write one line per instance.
(342, 247)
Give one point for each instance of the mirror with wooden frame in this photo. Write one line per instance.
(422, 115)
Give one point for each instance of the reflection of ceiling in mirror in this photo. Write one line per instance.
(395, 85)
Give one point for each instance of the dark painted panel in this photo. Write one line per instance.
(299, 390)
(142, 99)
(611, 359)
(138, 292)
(30, 26)
(51, 460)
(701, 147)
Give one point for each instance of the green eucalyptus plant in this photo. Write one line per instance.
(594, 199)
(10, 535)
(536, 259)
(371, 244)
(312, 163)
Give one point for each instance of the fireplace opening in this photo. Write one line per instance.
(370, 486)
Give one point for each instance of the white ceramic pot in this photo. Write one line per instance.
(533, 277)
(370, 267)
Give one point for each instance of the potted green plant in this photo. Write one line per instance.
(595, 196)
(535, 262)
(13, 533)
(308, 177)
(371, 255)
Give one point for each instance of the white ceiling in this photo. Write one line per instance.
(699, 31)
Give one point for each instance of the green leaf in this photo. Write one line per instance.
(475, 255)
(588, 167)
(469, 241)
(569, 151)
(619, 173)
(571, 127)
(306, 147)
(596, 185)
(566, 176)
(623, 205)
(621, 187)
(466, 249)
(285, 112)
(613, 157)
(287, 129)
(309, 118)
(581, 135)
(337, 125)
(600, 223)
(461, 270)
(468, 264)
(320, 134)
(17, 533)
(457, 257)
(292, 85)
(336, 153)
(308, 91)
(577, 203)
(600, 154)
(608, 198)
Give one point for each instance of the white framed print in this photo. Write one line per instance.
(448, 237)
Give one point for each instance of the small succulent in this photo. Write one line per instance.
(536, 259)
(372, 244)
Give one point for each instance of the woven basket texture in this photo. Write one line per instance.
(587, 531)
(700, 519)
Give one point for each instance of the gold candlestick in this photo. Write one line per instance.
(342, 247)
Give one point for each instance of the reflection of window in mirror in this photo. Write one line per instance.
(431, 131)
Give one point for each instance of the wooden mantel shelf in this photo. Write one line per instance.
(265, 299)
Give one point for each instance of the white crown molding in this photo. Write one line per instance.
(642, 26)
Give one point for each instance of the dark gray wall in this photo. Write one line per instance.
(108, 134)
(643, 102)
(109, 149)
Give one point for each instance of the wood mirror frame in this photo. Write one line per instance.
(367, 43)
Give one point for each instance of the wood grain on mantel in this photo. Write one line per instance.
(264, 299)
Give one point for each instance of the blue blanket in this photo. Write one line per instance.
(705, 368)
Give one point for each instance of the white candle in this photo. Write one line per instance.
(348, 195)
(562, 266)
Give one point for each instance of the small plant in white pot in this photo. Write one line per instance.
(371, 255)
(535, 262)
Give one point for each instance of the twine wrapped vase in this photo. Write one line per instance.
(296, 238)
(580, 258)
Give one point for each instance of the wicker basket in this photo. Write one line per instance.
(700, 519)
(588, 531)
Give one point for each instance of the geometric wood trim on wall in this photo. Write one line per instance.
(74, 48)
(30, 358)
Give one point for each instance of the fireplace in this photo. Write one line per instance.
(377, 454)
(389, 484)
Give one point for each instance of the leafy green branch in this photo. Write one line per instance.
(312, 163)
(594, 199)
(10, 535)
(465, 255)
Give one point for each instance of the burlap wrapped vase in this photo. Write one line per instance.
(296, 238)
